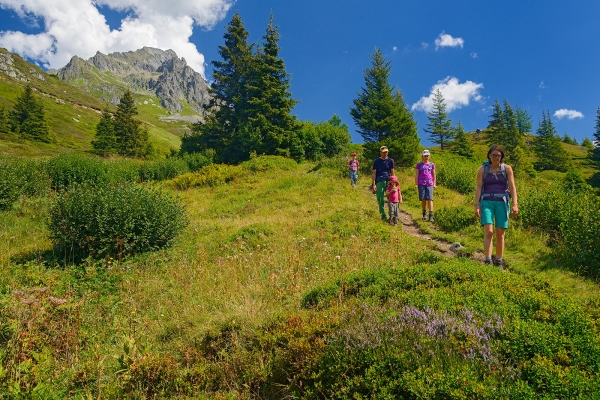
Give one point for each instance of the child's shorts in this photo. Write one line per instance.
(494, 210)
(425, 192)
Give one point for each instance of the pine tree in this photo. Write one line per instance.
(587, 143)
(595, 152)
(511, 136)
(225, 126)
(271, 102)
(382, 115)
(106, 139)
(439, 126)
(548, 146)
(461, 144)
(523, 121)
(132, 139)
(495, 129)
(27, 118)
(569, 140)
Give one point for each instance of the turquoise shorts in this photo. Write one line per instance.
(494, 211)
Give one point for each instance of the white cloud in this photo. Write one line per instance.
(473, 55)
(445, 40)
(424, 45)
(569, 114)
(76, 27)
(394, 48)
(456, 95)
(542, 85)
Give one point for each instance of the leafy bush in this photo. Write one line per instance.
(20, 177)
(195, 161)
(454, 219)
(167, 168)
(457, 173)
(451, 330)
(116, 219)
(71, 168)
(269, 163)
(211, 175)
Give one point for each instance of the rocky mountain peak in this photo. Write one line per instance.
(147, 69)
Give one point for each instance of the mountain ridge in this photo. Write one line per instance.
(146, 70)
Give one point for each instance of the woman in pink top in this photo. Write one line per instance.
(425, 182)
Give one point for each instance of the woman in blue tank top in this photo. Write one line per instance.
(495, 198)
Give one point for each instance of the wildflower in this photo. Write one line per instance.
(337, 257)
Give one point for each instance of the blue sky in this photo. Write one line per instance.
(541, 55)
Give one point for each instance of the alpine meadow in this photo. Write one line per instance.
(163, 236)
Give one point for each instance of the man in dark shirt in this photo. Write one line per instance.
(381, 171)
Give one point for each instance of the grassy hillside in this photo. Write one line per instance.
(72, 115)
(287, 284)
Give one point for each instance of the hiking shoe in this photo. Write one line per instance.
(424, 217)
(431, 218)
(500, 263)
(487, 261)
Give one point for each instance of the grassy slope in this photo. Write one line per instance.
(252, 249)
(72, 115)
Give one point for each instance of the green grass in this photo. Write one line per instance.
(222, 308)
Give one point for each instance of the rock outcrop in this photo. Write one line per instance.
(146, 70)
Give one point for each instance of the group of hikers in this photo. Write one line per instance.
(495, 194)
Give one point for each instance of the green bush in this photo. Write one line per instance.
(21, 177)
(211, 175)
(71, 168)
(116, 219)
(457, 173)
(269, 163)
(454, 219)
(165, 169)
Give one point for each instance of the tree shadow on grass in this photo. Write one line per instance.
(50, 258)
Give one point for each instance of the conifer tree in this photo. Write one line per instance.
(523, 121)
(225, 125)
(382, 115)
(439, 126)
(132, 139)
(569, 140)
(270, 101)
(461, 144)
(587, 143)
(27, 118)
(106, 140)
(511, 136)
(595, 152)
(548, 146)
(495, 129)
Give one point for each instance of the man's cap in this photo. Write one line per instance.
(425, 153)
(383, 148)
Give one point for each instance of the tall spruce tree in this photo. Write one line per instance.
(382, 115)
(548, 146)
(270, 101)
(439, 126)
(595, 152)
(27, 118)
(132, 139)
(511, 137)
(461, 144)
(495, 125)
(106, 139)
(523, 121)
(225, 127)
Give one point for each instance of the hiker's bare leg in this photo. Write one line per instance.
(500, 242)
(488, 235)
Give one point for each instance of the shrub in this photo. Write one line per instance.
(457, 173)
(116, 219)
(454, 219)
(195, 161)
(211, 175)
(269, 163)
(20, 177)
(167, 168)
(68, 169)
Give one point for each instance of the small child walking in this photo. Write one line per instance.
(353, 167)
(425, 182)
(394, 195)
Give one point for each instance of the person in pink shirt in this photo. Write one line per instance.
(353, 167)
(425, 182)
(394, 195)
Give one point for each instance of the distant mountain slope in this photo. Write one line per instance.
(72, 113)
(144, 71)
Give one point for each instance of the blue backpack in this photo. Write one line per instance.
(486, 171)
